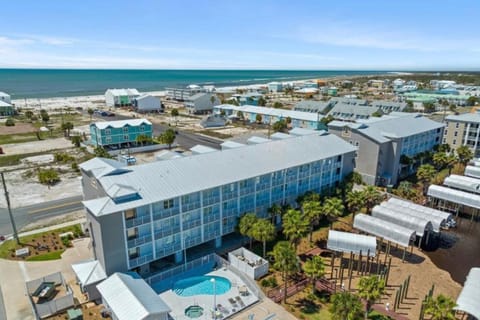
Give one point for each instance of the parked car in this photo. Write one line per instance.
(2, 238)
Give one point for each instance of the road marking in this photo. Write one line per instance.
(53, 207)
(24, 271)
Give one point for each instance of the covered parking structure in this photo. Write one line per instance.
(463, 183)
(437, 217)
(351, 242)
(472, 171)
(452, 199)
(386, 230)
(422, 227)
(467, 301)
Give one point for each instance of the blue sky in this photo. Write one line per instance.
(227, 34)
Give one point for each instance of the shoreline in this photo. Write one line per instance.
(98, 100)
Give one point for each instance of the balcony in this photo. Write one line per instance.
(139, 241)
(191, 223)
(130, 223)
(211, 200)
(211, 217)
(168, 250)
(140, 260)
(165, 232)
(165, 213)
(192, 241)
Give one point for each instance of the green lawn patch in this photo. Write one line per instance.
(215, 134)
(54, 255)
(8, 247)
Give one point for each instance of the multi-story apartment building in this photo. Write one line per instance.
(383, 141)
(463, 130)
(121, 133)
(141, 216)
(120, 97)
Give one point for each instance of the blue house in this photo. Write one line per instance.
(249, 98)
(121, 134)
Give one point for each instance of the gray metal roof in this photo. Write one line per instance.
(100, 167)
(161, 180)
(131, 298)
(310, 106)
(351, 112)
(384, 229)
(455, 196)
(388, 106)
(200, 149)
(473, 117)
(231, 145)
(468, 300)
(280, 135)
(279, 113)
(361, 128)
(4, 104)
(403, 126)
(436, 217)
(257, 140)
(351, 242)
(89, 272)
(400, 218)
(463, 183)
(304, 132)
(472, 171)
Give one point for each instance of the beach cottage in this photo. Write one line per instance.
(201, 102)
(147, 103)
(120, 97)
(5, 97)
(122, 133)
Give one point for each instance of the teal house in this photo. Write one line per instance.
(119, 134)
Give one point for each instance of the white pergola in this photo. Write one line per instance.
(384, 229)
(468, 300)
(351, 242)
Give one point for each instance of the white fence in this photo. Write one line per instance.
(249, 263)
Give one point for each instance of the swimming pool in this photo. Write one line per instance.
(201, 285)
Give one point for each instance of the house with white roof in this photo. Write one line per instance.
(128, 297)
(120, 97)
(121, 133)
(89, 274)
(147, 103)
(383, 142)
(5, 97)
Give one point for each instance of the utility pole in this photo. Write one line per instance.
(15, 234)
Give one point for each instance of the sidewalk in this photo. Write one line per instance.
(53, 227)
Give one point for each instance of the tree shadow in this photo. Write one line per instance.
(307, 306)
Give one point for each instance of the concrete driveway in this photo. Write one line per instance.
(14, 274)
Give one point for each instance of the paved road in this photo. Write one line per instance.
(184, 139)
(32, 213)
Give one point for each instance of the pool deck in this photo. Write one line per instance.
(178, 304)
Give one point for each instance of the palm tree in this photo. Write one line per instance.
(274, 211)
(246, 223)
(345, 306)
(425, 174)
(372, 197)
(370, 289)
(312, 210)
(355, 202)
(440, 308)
(263, 230)
(464, 154)
(66, 127)
(450, 162)
(440, 160)
(314, 268)
(285, 261)
(332, 209)
(295, 226)
(90, 113)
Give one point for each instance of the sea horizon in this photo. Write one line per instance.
(48, 82)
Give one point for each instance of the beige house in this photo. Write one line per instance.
(463, 130)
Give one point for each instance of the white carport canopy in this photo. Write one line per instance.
(351, 242)
(468, 300)
(437, 217)
(468, 184)
(455, 196)
(472, 171)
(421, 226)
(384, 229)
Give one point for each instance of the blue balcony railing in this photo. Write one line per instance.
(139, 241)
(165, 232)
(137, 221)
(140, 260)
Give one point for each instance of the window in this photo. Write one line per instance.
(445, 132)
(142, 128)
(132, 233)
(130, 214)
(133, 253)
(108, 131)
(125, 137)
(167, 204)
(455, 134)
(338, 171)
(454, 141)
(356, 143)
(108, 139)
(339, 158)
(125, 129)
(456, 125)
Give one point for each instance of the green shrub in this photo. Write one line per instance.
(63, 157)
(10, 122)
(48, 176)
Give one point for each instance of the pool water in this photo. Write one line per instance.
(201, 285)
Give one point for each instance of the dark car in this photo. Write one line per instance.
(2, 238)
(107, 114)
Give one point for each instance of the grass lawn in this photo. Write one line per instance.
(54, 255)
(215, 134)
(9, 246)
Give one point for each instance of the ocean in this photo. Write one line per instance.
(45, 83)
